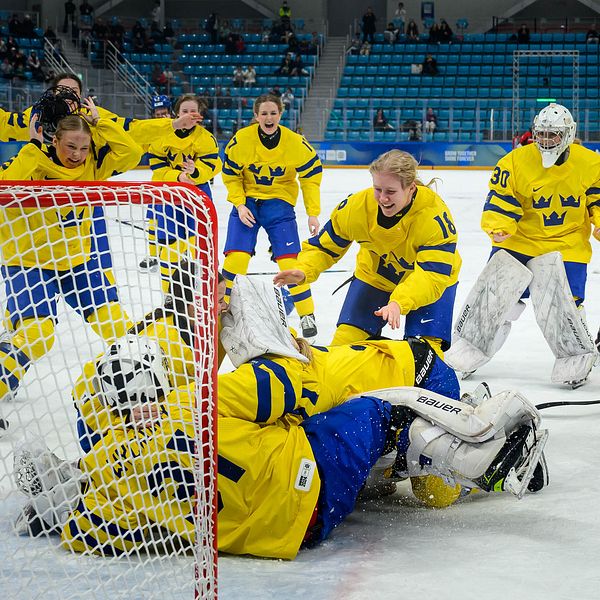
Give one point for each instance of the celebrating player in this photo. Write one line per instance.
(262, 165)
(407, 263)
(60, 262)
(544, 201)
(189, 155)
(140, 473)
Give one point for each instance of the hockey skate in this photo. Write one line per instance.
(309, 326)
(514, 466)
(478, 395)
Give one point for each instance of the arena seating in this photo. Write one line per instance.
(475, 76)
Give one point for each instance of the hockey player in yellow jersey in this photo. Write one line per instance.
(280, 486)
(543, 203)
(60, 262)
(407, 263)
(189, 155)
(263, 165)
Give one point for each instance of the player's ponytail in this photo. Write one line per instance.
(400, 164)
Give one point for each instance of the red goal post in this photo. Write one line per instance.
(41, 404)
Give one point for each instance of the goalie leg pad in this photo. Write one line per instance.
(501, 412)
(562, 323)
(488, 306)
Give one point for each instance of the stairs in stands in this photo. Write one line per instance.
(322, 92)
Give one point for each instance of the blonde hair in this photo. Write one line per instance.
(304, 348)
(72, 123)
(400, 164)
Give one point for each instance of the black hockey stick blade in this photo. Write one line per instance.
(566, 403)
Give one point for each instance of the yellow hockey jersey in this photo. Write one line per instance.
(15, 126)
(168, 153)
(141, 478)
(415, 259)
(545, 210)
(252, 171)
(60, 238)
(269, 388)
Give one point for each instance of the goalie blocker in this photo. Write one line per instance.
(494, 302)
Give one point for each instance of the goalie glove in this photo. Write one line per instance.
(47, 512)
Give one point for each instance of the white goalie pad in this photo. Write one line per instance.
(502, 412)
(561, 322)
(256, 323)
(487, 308)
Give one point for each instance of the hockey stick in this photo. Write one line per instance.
(121, 222)
(566, 403)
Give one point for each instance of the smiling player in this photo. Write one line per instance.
(263, 165)
(407, 263)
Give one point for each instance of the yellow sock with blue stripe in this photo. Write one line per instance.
(300, 294)
(236, 263)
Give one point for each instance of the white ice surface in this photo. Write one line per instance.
(545, 546)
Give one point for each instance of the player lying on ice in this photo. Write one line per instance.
(281, 485)
(544, 202)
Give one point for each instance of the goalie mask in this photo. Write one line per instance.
(132, 371)
(54, 104)
(553, 132)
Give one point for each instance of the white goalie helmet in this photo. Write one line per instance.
(133, 370)
(553, 131)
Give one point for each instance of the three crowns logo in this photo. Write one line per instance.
(554, 219)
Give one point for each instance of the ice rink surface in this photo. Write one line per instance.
(545, 546)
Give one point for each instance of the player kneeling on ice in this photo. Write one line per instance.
(544, 201)
(282, 484)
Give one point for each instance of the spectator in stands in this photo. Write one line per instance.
(158, 78)
(380, 122)
(238, 76)
(391, 33)
(314, 44)
(139, 43)
(14, 25)
(20, 64)
(116, 32)
(298, 67)
(434, 34)
(287, 98)
(35, 66)
(70, 11)
(86, 10)
(292, 42)
(275, 91)
(266, 34)
(365, 49)
(430, 121)
(138, 28)
(523, 34)
(99, 29)
(249, 74)
(414, 129)
(28, 28)
(285, 68)
(155, 13)
(212, 28)
(226, 100)
(285, 12)
(11, 44)
(369, 25)
(50, 34)
(156, 33)
(6, 70)
(430, 66)
(446, 34)
(400, 17)
(592, 36)
(412, 31)
(169, 34)
(355, 45)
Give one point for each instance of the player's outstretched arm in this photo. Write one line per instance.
(291, 276)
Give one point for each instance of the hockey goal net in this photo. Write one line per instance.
(132, 499)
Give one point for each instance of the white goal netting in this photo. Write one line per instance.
(107, 391)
